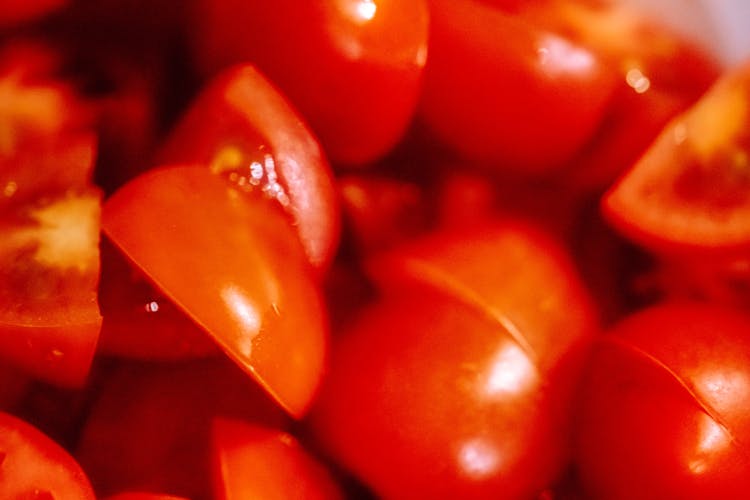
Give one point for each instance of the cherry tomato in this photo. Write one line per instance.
(664, 411)
(689, 192)
(34, 466)
(525, 100)
(352, 67)
(241, 123)
(252, 461)
(231, 261)
(149, 427)
(458, 382)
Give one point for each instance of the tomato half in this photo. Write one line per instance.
(252, 461)
(34, 466)
(507, 92)
(691, 189)
(352, 67)
(664, 410)
(458, 381)
(240, 123)
(232, 262)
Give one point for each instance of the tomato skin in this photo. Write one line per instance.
(434, 392)
(249, 286)
(20, 11)
(252, 461)
(663, 412)
(353, 68)
(240, 118)
(688, 193)
(497, 99)
(31, 464)
(149, 428)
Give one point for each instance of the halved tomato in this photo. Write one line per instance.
(241, 125)
(231, 260)
(34, 466)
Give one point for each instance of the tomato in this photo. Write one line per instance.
(241, 123)
(49, 218)
(252, 461)
(139, 321)
(352, 67)
(149, 427)
(664, 411)
(527, 100)
(34, 466)
(689, 192)
(457, 382)
(231, 261)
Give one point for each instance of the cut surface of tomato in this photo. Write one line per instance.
(34, 466)
(231, 261)
(691, 190)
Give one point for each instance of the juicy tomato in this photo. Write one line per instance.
(241, 124)
(504, 91)
(231, 261)
(49, 319)
(664, 411)
(691, 190)
(457, 382)
(18, 11)
(149, 428)
(139, 321)
(34, 466)
(352, 67)
(252, 461)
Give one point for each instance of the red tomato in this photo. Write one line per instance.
(231, 261)
(139, 321)
(149, 428)
(241, 124)
(252, 461)
(458, 382)
(34, 466)
(525, 100)
(352, 67)
(664, 412)
(690, 191)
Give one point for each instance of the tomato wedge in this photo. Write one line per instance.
(253, 461)
(240, 121)
(34, 466)
(232, 262)
(691, 190)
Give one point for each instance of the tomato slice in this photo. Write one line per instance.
(527, 100)
(240, 121)
(149, 428)
(252, 461)
(691, 189)
(249, 284)
(34, 466)
(353, 68)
